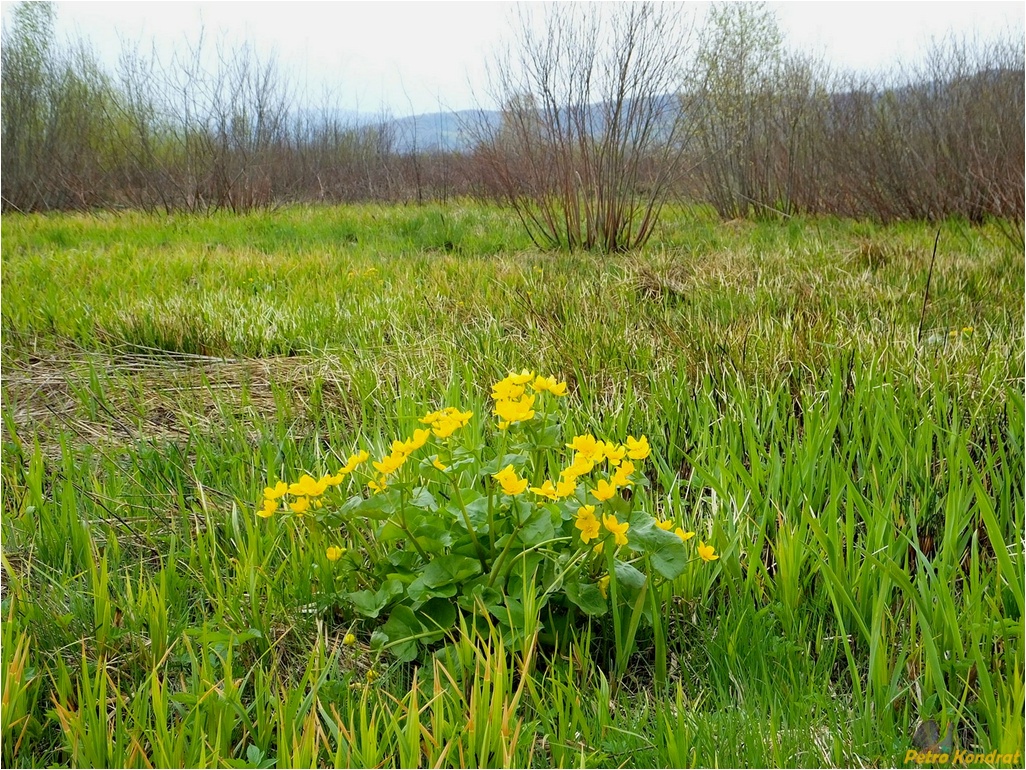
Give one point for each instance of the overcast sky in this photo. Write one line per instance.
(420, 56)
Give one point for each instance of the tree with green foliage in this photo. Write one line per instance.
(53, 101)
(753, 110)
(25, 73)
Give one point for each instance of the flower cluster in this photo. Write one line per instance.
(442, 424)
(588, 524)
(512, 402)
(582, 512)
(589, 453)
(446, 421)
(509, 481)
(301, 496)
(392, 462)
(307, 491)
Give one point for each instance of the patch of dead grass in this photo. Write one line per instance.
(137, 394)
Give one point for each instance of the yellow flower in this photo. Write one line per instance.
(444, 428)
(521, 379)
(619, 530)
(270, 506)
(614, 453)
(684, 536)
(667, 525)
(378, 486)
(598, 547)
(589, 529)
(354, 460)
(308, 486)
(622, 477)
(334, 553)
(565, 488)
(511, 484)
(506, 390)
(707, 552)
(316, 488)
(515, 411)
(300, 504)
(604, 490)
(390, 463)
(542, 384)
(349, 640)
(603, 585)
(514, 487)
(506, 474)
(585, 446)
(587, 523)
(954, 333)
(967, 330)
(277, 491)
(438, 464)
(445, 422)
(334, 481)
(638, 449)
(547, 489)
(420, 437)
(580, 466)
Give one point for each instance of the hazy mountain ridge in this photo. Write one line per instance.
(441, 131)
(451, 131)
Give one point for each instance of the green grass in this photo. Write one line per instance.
(861, 478)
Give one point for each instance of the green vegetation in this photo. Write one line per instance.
(854, 456)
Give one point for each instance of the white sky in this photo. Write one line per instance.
(422, 56)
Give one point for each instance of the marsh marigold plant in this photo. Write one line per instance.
(491, 519)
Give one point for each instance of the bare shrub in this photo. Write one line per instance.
(947, 140)
(592, 132)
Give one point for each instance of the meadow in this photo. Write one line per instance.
(831, 404)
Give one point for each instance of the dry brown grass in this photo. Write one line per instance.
(156, 396)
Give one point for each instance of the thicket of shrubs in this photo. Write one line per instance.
(755, 129)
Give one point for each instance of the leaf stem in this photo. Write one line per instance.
(482, 555)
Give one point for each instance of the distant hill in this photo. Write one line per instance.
(448, 131)
(445, 131)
